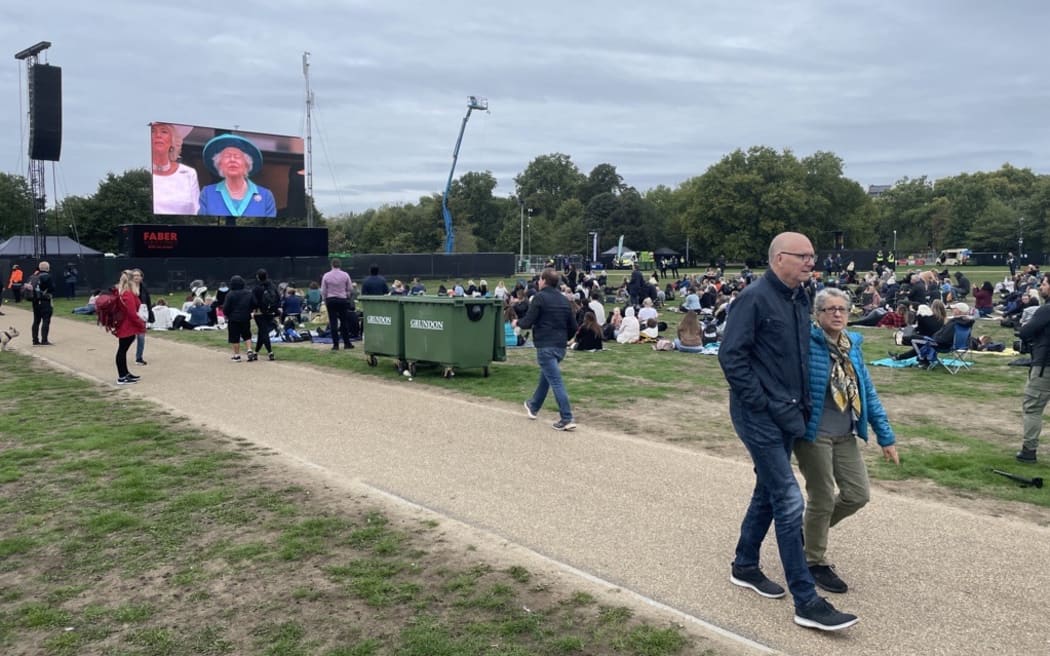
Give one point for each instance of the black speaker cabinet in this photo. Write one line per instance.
(45, 112)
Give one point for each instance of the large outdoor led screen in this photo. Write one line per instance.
(217, 172)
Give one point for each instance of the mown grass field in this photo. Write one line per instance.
(127, 531)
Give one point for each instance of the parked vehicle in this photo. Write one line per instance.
(954, 256)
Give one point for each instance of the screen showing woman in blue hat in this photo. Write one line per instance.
(235, 160)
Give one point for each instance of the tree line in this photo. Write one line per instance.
(734, 208)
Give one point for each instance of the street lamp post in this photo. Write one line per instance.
(1020, 237)
(530, 237)
(521, 237)
(894, 243)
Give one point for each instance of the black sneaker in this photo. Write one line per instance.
(348, 345)
(252, 357)
(133, 378)
(826, 579)
(819, 614)
(124, 380)
(1026, 456)
(754, 578)
(562, 425)
(272, 358)
(528, 409)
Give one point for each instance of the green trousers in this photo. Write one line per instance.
(1036, 394)
(826, 463)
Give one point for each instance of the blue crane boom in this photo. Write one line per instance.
(450, 238)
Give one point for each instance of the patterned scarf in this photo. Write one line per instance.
(843, 375)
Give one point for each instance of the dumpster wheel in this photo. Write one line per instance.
(400, 366)
(448, 373)
(484, 372)
(411, 368)
(372, 361)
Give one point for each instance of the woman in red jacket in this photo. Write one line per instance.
(129, 327)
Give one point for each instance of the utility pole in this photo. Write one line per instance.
(309, 144)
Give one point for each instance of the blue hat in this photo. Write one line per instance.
(222, 142)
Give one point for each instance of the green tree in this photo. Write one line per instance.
(905, 209)
(547, 182)
(120, 199)
(570, 233)
(742, 202)
(16, 205)
(475, 210)
(601, 180)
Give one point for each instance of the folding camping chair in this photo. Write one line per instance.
(959, 355)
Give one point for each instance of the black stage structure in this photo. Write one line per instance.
(172, 256)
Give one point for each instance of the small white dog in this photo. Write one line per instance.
(6, 336)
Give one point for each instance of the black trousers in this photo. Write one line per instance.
(263, 324)
(42, 311)
(339, 319)
(123, 344)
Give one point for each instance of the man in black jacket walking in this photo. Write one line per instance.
(553, 324)
(764, 356)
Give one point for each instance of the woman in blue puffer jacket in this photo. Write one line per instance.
(844, 403)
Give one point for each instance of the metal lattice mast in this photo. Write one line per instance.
(309, 144)
(36, 166)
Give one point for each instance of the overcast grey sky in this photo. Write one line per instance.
(661, 90)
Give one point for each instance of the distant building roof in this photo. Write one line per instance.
(22, 246)
(877, 190)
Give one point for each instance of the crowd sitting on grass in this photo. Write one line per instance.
(627, 312)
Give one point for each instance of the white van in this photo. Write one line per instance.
(954, 256)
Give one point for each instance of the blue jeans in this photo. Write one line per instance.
(776, 499)
(548, 358)
(140, 346)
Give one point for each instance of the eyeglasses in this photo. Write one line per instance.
(805, 257)
(834, 310)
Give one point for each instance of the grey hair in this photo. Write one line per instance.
(247, 160)
(821, 299)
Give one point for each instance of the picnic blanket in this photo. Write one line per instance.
(914, 362)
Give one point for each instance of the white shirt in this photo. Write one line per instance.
(647, 313)
(164, 317)
(599, 311)
(178, 193)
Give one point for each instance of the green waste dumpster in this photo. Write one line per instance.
(384, 329)
(455, 333)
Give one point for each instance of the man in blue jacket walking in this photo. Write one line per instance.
(553, 324)
(764, 356)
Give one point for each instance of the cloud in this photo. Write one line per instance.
(660, 90)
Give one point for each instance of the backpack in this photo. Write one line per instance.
(31, 287)
(270, 300)
(109, 309)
